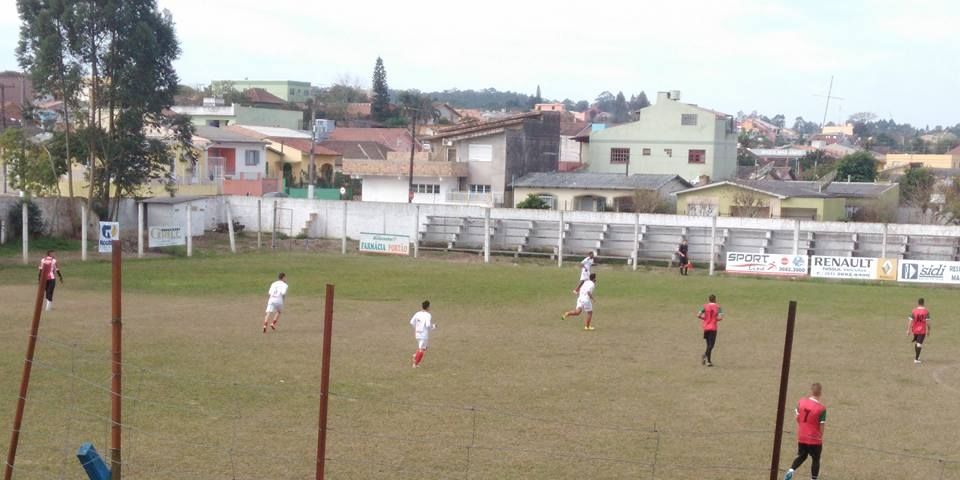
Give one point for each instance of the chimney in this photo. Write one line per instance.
(675, 95)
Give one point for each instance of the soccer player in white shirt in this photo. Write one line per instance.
(422, 323)
(277, 292)
(584, 302)
(585, 266)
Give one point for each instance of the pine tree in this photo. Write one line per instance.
(534, 100)
(620, 110)
(380, 105)
(642, 101)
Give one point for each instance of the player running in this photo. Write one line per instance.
(422, 323)
(811, 418)
(918, 325)
(710, 314)
(277, 292)
(54, 271)
(585, 265)
(584, 302)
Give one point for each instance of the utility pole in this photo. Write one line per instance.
(312, 176)
(413, 145)
(3, 114)
(829, 97)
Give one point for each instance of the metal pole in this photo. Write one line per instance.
(784, 380)
(324, 381)
(413, 144)
(560, 242)
(713, 244)
(259, 224)
(116, 399)
(83, 232)
(233, 243)
(486, 235)
(3, 232)
(796, 237)
(883, 242)
(189, 230)
(343, 238)
(416, 234)
(25, 232)
(636, 242)
(25, 379)
(139, 229)
(273, 230)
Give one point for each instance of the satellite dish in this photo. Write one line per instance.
(343, 190)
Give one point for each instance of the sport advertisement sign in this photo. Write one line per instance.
(853, 268)
(772, 264)
(929, 271)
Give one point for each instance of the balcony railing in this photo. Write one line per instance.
(493, 199)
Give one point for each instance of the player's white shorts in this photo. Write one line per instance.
(584, 275)
(422, 343)
(585, 305)
(274, 307)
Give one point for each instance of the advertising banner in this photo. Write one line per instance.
(858, 268)
(109, 231)
(166, 236)
(385, 243)
(929, 271)
(771, 264)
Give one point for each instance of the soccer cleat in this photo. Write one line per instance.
(703, 360)
(709, 364)
(788, 475)
(264, 329)
(588, 328)
(917, 361)
(273, 326)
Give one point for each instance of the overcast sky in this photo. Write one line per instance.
(896, 59)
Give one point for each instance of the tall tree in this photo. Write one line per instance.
(125, 52)
(380, 106)
(857, 167)
(916, 186)
(621, 113)
(639, 101)
(537, 98)
(43, 51)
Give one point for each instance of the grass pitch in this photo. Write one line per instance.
(507, 390)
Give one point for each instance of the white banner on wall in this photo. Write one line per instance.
(166, 236)
(109, 231)
(929, 271)
(861, 268)
(385, 243)
(767, 264)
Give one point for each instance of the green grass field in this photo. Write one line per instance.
(507, 390)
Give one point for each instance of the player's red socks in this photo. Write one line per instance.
(418, 357)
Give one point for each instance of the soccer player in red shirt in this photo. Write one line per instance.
(52, 274)
(918, 325)
(709, 315)
(811, 418)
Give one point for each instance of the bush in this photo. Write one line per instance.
(15, 219)
(534, 202)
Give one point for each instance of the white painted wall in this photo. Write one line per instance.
(394, 190)
(163, 215)
(251, 172)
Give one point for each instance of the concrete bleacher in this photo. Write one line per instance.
(750, 241)
(871, 245)
(510, 235)
(582, 238)
(544, 237)
(441, 232)
(781, 241)
(834, 244)
(931, 248)
(620, 242)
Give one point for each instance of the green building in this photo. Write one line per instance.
(288, 90)
(224, 115)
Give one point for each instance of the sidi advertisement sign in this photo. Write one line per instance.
(929, 271)
(772, 264)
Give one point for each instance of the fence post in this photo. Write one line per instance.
(486, 235)
(233, 242)
(560, 242)
(3, 232)
(139, 229)
(883, 242)
(343, 238)
(83, 232)
(713, 244)
(324, 382)
(189, 229)
(796, 236)
(273, 229)
(636, 241)
(259, 224)
(116, 365)
(784, 381)
(25, 232)
(416, 234)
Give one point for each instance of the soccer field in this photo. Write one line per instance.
(507, 389)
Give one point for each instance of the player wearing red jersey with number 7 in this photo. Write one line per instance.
(709, 315)
(918, 325)
(811, 418)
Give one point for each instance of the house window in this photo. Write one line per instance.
(668, 152)
(696, 156)
(646, 152)
(251, 158)
(480, 153)
(451, 154)
(688, 119)
(474, 188)
(426, 188)
(291, 91)
(619, 155)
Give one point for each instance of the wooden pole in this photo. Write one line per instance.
(25, 378)
(784, 381)
(324, 381)
(116, 364)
